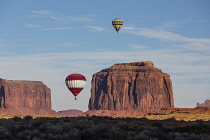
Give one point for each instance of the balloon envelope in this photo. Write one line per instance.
(117, 24)
(75, 83)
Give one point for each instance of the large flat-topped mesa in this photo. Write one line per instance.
(137, 86)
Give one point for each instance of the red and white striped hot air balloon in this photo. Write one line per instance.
(75, 83)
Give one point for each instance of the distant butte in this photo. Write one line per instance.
(205, 104)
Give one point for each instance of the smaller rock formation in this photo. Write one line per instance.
(25, 98)
(70, 113)
(205, 104)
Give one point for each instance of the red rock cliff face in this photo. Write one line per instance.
(135, 86)
(25, 98)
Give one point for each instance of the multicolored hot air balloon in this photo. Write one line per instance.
(117, 24)
(75, 83)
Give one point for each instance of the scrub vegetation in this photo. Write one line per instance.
(98, 128)
(181, 116)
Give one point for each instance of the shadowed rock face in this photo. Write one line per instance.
(25, 98)
(137, 86)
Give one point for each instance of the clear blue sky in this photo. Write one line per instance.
(45, 40)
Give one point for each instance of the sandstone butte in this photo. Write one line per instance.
(25, 98)
(205, 104)
(130, 89)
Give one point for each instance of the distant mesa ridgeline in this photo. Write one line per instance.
(70, 113)
(205, 104)
(130, 89)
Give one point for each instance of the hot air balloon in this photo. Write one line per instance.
(75, 83)
(117, 24)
